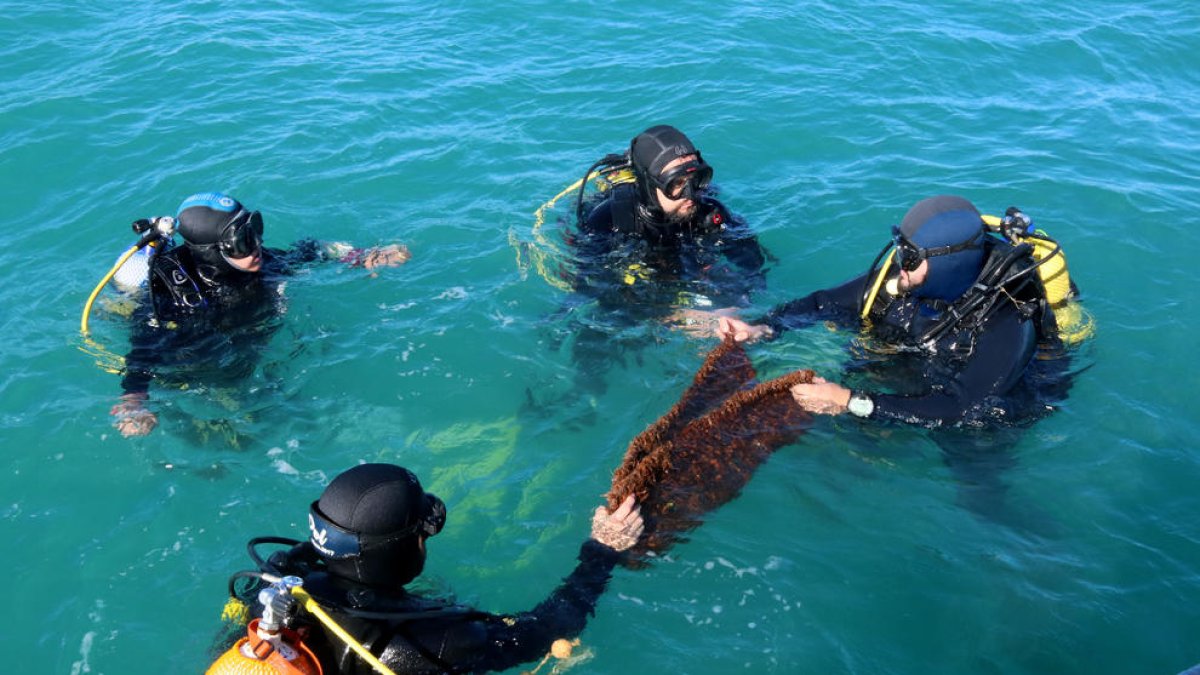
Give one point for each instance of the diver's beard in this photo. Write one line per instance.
(681, 215)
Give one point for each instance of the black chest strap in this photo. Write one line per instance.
(173, 290)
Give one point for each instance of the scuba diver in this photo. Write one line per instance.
(657, 236)
(213, 301)
(367, 541)
(963, 328)
(655, 244)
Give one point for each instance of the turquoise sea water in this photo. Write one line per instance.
(444, 126)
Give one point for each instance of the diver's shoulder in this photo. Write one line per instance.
(171, 257)
(599, 218)
(280, 262)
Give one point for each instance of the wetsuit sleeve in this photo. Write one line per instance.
(310, 251)
(1001, 353)
(741, 245)
(143, 356)
(838, 304)
(302, 253)
(747, 255)
(499, 642)
(562, 615)
(148, 342)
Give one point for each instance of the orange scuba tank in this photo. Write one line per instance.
(265, 654)
(269, 646)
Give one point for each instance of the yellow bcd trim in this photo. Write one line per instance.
(609, 179)
(1053, 271)
(637, 272)
(1075, 323)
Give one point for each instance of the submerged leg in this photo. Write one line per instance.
(978, 460)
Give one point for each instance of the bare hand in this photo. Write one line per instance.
(620, 529)
(386, 256)
(821, 397)
(740, 330)
(698, 323)
(133, 419)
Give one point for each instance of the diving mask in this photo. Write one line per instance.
(688, 180)
(242, 235)
(909, 255)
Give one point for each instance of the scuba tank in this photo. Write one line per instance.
(542, 253)
(132, 271)
(1074, 323)
(1047, 253)
(132, 274)
(269, 647)
(131, 277)
(283, 598)
(611, 170)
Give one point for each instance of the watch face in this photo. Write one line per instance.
(861, 406)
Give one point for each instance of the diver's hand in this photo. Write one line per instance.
(821, 397)
(698, 323)
(741, 331)
(620, 529)
(132, 417)
(385, 256)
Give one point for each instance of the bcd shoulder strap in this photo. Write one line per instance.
(173, 291)
(1007, 274)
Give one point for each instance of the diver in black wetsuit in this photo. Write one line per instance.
(961, 355)
(949, 341)
(367, 536)
(954, 335)
(655, 245)
(660, 241)
(214, 300)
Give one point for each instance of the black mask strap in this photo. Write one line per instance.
(911, 255)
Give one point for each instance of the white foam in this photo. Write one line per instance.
(85, 649)
(454, 293)
(283, 467)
